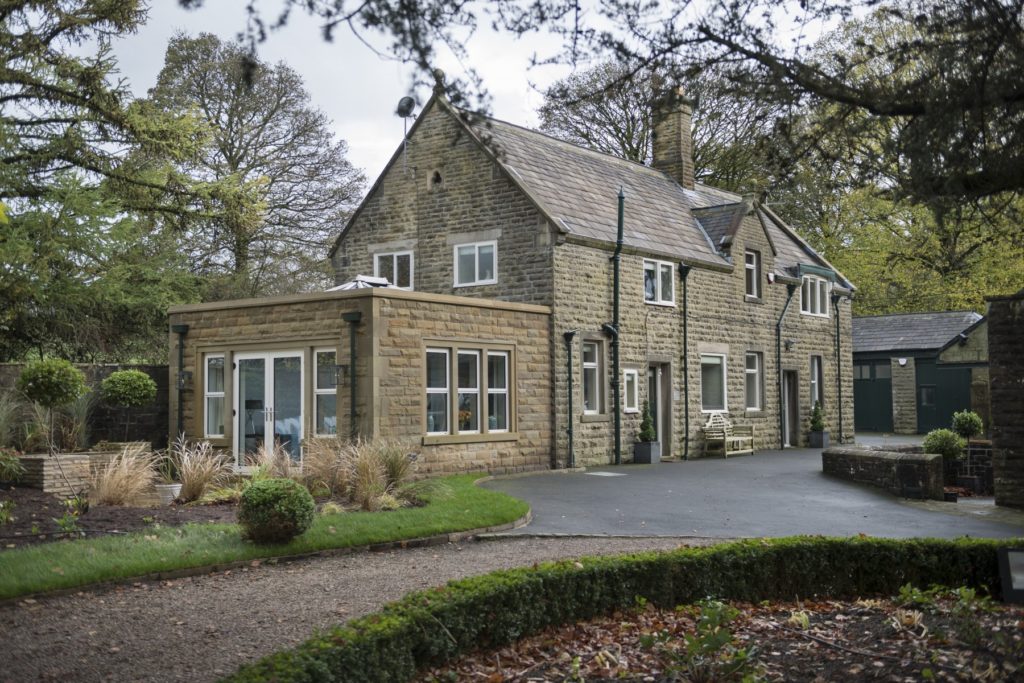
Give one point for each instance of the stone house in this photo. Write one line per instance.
(499, 243)
(912, 371)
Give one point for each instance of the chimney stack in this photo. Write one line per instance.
(672, 121)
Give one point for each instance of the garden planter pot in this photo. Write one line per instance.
(647, 452)
(818, 439)
(168, 492)
(950, 496)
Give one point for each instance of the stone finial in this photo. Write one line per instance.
(438, 81)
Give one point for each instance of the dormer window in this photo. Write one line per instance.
(659, 284)
(753, 273)
(814, 293)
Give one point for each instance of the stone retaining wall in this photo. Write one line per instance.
(44, 472)
(911, 475)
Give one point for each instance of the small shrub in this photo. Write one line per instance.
(275, 510)
(967, 423)
(331, 508)
(224, 495)
(199, 467)
(647, 433)
(387, 501)
(6, 511)
(945, 442)
(11, 469)
(817, 418)
(128, 388)
(123, 479)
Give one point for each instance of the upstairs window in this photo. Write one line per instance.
(659, 284)
(476, 264)
(397, 267)
(814, 292)
(753, 273)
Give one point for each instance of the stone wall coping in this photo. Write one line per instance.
(884, 455)
(358, 294)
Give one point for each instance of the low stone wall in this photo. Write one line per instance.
(911, 475)
(44, 472)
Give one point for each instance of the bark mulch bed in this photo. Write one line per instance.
(947, 636)
(34, 514)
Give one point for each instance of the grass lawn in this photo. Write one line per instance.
(68, 564)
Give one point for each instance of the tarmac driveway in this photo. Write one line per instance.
(771, 493)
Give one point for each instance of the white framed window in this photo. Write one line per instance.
(497, 391)
(630, 391)
(476, 264)
(659, 282)
(754, 380)
(438, 395)
(325, 392)
(712, 383)
(814, 294)
(397, 267)
(752, 265)
(468, 378)
(816, 377)
(591, 377)
(213, 394)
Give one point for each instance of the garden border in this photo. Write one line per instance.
(428, 627)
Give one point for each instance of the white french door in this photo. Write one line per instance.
(268, 391)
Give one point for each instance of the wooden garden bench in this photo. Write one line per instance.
(720, 435)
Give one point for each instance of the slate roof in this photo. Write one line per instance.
(909, 331)
(578, 189)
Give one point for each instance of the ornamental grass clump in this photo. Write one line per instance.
(325, 465)
(11, 469)
(199, 467)
(275, 510)
(124, 478)
(946, 443)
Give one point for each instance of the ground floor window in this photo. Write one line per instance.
(712, 383)
(592, 384)
(816, 393)
(472, 384)
(631, 389)
(326, 393)
(213, 394)
(754, 373)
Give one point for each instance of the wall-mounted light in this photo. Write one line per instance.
(340, 375)
(771, 278)
(902, 362)
(184, 378)
(790, 343)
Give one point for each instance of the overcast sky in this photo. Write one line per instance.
(357, 89)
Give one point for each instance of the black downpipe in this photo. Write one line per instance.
(614, 332)
(568, 365)
(839, 366)
(790, 291)
(181, 331)
(684, 272)
(352, 318)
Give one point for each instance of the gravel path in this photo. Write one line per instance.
(201, 628)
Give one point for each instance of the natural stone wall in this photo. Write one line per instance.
(474, 201)
(44, 472)
(911, 475)
(106, 422)
(904, 396)
(1006, 368)
(391, 342)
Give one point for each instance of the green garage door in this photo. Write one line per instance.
(941, 391)
(872, 396)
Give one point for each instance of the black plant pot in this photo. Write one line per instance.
(818, 439)
(647, 452)
(950, 496)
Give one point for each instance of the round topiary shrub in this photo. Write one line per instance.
(51, 382)
(945, 442)
(128, 388)
(275, 510)
(967, 423)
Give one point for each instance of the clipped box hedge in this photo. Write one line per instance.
(428, 627)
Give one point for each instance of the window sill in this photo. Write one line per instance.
(595, 417)
(218, 441)
(663, 304)
(475, 284)
(815, 315)
(491, 437)
(631, 411)
(753, 299)
(715, 410)
(757, 412)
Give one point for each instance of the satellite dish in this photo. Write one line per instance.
(405, 107)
